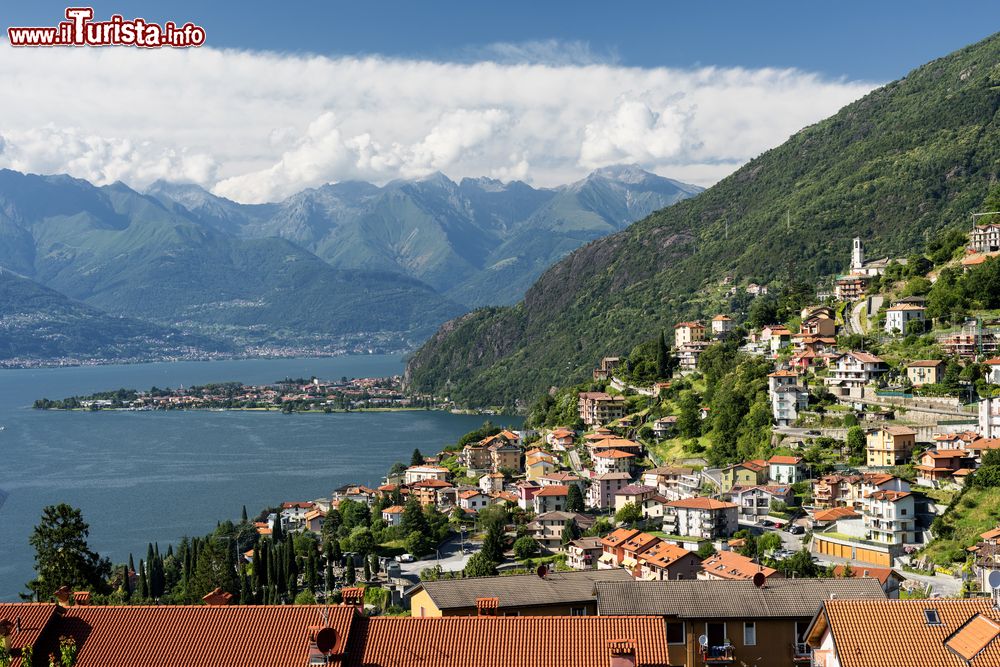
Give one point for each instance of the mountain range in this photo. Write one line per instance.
(337, 267)
(895, 167)
(477, 242)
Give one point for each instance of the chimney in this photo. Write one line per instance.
(218, 598)
(81, 598)
(487, 606)
(623, 652)
(63, 595)
(354, 596)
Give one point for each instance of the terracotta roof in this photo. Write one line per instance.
(692, 325)
(708, 598)
(553, 490)
(431, 483)
(520, 590)
(34, 617)
(502, 641)
(731, 565)
(991, 534)
(783, 374)
(721, 318)
(249, 636)
(639, 542)
(785, 460)
(926, 363)
(993, 362)
(700, 503)
(465, 495)
(395, 509)
(891, 496)
(613, 454)
(620, 535)
(899, 430)
(663, 554)
(835, 514)
(914, 641)
(974, 637)
(864, 357)
(881, 574)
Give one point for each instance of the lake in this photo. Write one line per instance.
(156, 476)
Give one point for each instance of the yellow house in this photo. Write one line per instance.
(748, 473)
(538, 466)
(890, 446)
(925, 372)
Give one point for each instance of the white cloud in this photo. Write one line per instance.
(260, 126)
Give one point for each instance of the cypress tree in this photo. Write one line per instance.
(416, 459)
(367, 570)
(125, 583)
(243, 516)
(143, 584)
(349, 575)
(662, 357)
(375, 565)
(277, 536)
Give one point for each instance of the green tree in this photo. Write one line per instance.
(769, 541)
(689, 418)
(413, 519)
(214, 569)
(350, 576)
(493, 543)
(416, 459)
(663, 370)
(63, 557)
(418, 543)
(574, 499)
(629, 514)
(479, 565)
(525, 547)
(856, 441)
(305, 597)
(570, 532)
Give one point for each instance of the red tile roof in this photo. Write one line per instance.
(700, 503)
(785, 460)
(248, 636)
(34, 617)
(731, 565)
(553, 490)
(511, 641)
(859, 571)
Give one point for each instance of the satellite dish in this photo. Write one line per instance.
(326, 639)
(542, 571)
(994, 579)
(703, 640)
(758, 579)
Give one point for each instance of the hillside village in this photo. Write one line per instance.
(855, 441)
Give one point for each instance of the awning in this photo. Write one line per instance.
(607, 558)
(649, 576)
(628, 562)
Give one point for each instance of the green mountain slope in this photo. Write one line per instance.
(479, 241)
(128, 254)
(37, 323)
(894, 167)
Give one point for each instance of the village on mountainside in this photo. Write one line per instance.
(873, 494)
(746, 495)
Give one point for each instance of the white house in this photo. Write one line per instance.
(989, 417)
(419, 473)
(785, 469)
(900, 315)
(704, 518)
(787, 402)
(889, 517)
(393, 516)
(612, 460)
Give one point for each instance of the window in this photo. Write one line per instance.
(578, 611)
(675, 633)
(749, 634)
(902, 512)
(932, 617)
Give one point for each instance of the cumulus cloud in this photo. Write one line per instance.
(258, 126)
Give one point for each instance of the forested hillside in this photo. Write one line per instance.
(894, 168)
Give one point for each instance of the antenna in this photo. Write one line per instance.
(326, 639)
(993, 580)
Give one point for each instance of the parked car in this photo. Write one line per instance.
(406, 558)
(778, 524)
(796, 530)
(767, 523)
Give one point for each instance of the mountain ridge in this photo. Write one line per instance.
(905, 161)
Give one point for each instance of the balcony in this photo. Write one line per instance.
(801, 653)
(718, 655)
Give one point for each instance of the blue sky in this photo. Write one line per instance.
(281, 100)
(870, 40)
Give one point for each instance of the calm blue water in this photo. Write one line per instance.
(157, 476)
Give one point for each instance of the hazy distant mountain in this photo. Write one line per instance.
(37, 323)
(479, 241)
(128, 254)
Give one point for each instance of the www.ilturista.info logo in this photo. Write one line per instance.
(81, 30)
